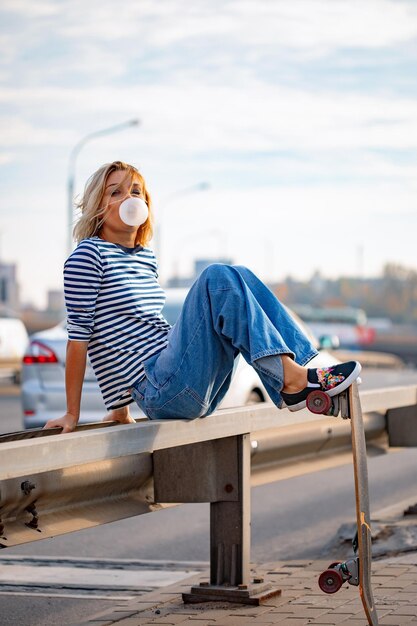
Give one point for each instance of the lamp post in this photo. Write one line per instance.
(71, 169)
(203, 186)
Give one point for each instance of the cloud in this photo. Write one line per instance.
(95, 38)
(29, 9)
(299, 109)
(311, 25)
(17, 132)
(7, 157)
(201, 120)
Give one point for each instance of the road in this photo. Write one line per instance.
(293, 518)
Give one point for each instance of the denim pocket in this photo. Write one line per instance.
(148, 366)
(184, 405)
(137, 395)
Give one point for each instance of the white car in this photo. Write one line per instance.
(43, 375)
(13, 342)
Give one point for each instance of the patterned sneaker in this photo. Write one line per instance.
(332, 380)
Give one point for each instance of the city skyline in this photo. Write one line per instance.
(302, 117)
(52, 299)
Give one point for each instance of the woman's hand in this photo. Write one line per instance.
(68, 423)
(119, 415)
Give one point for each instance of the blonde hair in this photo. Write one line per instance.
(92, 216)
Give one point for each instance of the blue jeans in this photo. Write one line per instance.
(228, 311)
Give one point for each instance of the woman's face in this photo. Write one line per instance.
(120, 185)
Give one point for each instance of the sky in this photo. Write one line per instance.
(300, 117)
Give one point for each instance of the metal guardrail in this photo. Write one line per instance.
(57, 484)
(52, 484)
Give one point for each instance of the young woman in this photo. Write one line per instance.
(114, 305)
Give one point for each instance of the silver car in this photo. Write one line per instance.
(43, 376)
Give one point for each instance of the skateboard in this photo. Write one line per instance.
(357, 570)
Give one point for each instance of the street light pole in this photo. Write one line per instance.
(71, 170)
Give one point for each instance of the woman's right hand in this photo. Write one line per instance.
(68, 423)
(74, 376)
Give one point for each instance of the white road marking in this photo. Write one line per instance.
(89, 578)
(76, 596)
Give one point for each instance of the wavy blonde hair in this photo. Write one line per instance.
(92, 216)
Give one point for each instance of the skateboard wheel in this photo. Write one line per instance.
(318, 402)
(330, 581)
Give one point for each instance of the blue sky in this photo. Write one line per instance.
(301, 115)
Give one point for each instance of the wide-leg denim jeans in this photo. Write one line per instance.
(228, 311)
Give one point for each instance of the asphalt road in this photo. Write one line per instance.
(293, 518)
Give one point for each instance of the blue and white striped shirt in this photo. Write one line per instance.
(114, 302)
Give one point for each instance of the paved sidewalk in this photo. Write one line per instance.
(301, 603)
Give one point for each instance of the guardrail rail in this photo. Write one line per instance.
(52, 484)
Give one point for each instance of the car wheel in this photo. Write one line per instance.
(254, 397)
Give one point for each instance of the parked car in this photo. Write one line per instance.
(13, 342)
(43, 375)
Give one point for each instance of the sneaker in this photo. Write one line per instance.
(332, 380)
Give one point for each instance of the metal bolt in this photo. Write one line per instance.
(27, 487)
(228, 488)
(242, 586)
(34, 521)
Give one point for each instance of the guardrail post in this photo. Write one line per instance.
(216, 471)
(402, 426)
(230, 525)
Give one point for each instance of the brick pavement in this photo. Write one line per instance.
(301, 603)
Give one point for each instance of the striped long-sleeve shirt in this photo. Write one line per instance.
(114, 302)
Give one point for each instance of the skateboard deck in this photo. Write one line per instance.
(363, 517)
(357, 570)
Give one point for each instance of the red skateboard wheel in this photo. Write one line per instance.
(330, 581)
(318, 402)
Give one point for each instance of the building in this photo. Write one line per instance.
(199, 266)
(55, 302)
(9, 289)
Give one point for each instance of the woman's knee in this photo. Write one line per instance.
(218, 276)
(243, 270)
(217, 273)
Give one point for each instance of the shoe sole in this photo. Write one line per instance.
(332, 392)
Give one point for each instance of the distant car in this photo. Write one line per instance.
(13, 342)
(43, 375)
(350, 325)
